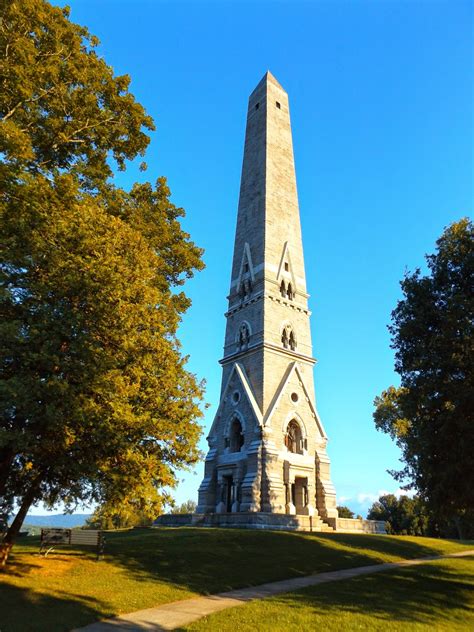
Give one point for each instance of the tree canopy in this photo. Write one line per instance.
(97, 403)
(402, 516)
(344, 512)
(61, 107)
(430, 415)
(188, 507)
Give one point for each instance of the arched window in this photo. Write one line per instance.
(245, 288)
(289, 292)
(236, 440)
(283, 289)
(294, 438)
(292, 340)
(288, 338)
(244, 335)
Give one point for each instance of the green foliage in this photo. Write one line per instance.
(402, 516)
(61, 106)
(344, 512)
(188, 507)
(3, 522)
(129, 513)
(430, 415)
(97, 404)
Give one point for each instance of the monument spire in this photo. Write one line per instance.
(267, 453)
(268, 250)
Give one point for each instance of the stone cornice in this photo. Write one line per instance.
(291, 355)
(236, 307)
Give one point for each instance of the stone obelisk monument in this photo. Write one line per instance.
(267, 443)
(267, 465)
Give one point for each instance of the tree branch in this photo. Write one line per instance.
(32, 100)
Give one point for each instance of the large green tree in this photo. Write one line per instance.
(96, 401)
(403, 516)
(431, 414)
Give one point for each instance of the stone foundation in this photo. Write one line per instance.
(271, 521)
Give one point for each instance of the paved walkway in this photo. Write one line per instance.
(174, 615)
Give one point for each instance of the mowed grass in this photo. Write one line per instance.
(144, 568)
(438, 596)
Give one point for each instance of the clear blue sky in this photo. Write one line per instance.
(381, 104)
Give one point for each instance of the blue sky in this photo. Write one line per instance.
(381, 105)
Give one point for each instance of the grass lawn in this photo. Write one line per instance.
(143, 568)
(436, 596)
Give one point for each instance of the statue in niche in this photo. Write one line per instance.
(244, 335)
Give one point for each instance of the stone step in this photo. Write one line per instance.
(260, 520)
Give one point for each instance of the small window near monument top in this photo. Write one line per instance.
(287, 267)
(294, 397)
(257, 106)
(236, 397)
(278, 105)
(246, 267)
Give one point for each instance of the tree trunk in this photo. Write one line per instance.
(13, 530)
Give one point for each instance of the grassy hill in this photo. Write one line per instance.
(438, 596)
(143, 568)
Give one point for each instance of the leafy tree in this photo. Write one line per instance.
(188, 507)
(97, 404)
(61, 106)
(3, 522)
(345, 512)
(430, 415)
(129, 513)
(403, 516)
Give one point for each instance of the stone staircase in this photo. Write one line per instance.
(313, 523)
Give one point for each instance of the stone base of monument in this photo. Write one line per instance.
(271, 521)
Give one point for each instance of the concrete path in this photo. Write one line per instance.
(174, 615)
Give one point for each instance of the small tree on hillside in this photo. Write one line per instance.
(188, 507)
(122, 516)
(431, 414)
(344, 512)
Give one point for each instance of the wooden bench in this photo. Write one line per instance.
(52, 538)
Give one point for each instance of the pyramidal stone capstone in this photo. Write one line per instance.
(267, 465)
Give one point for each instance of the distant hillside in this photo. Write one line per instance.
(65, 521)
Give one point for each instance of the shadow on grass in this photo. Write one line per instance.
(215, 560)
(195, 559)
(26, 610)
(433, 593)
